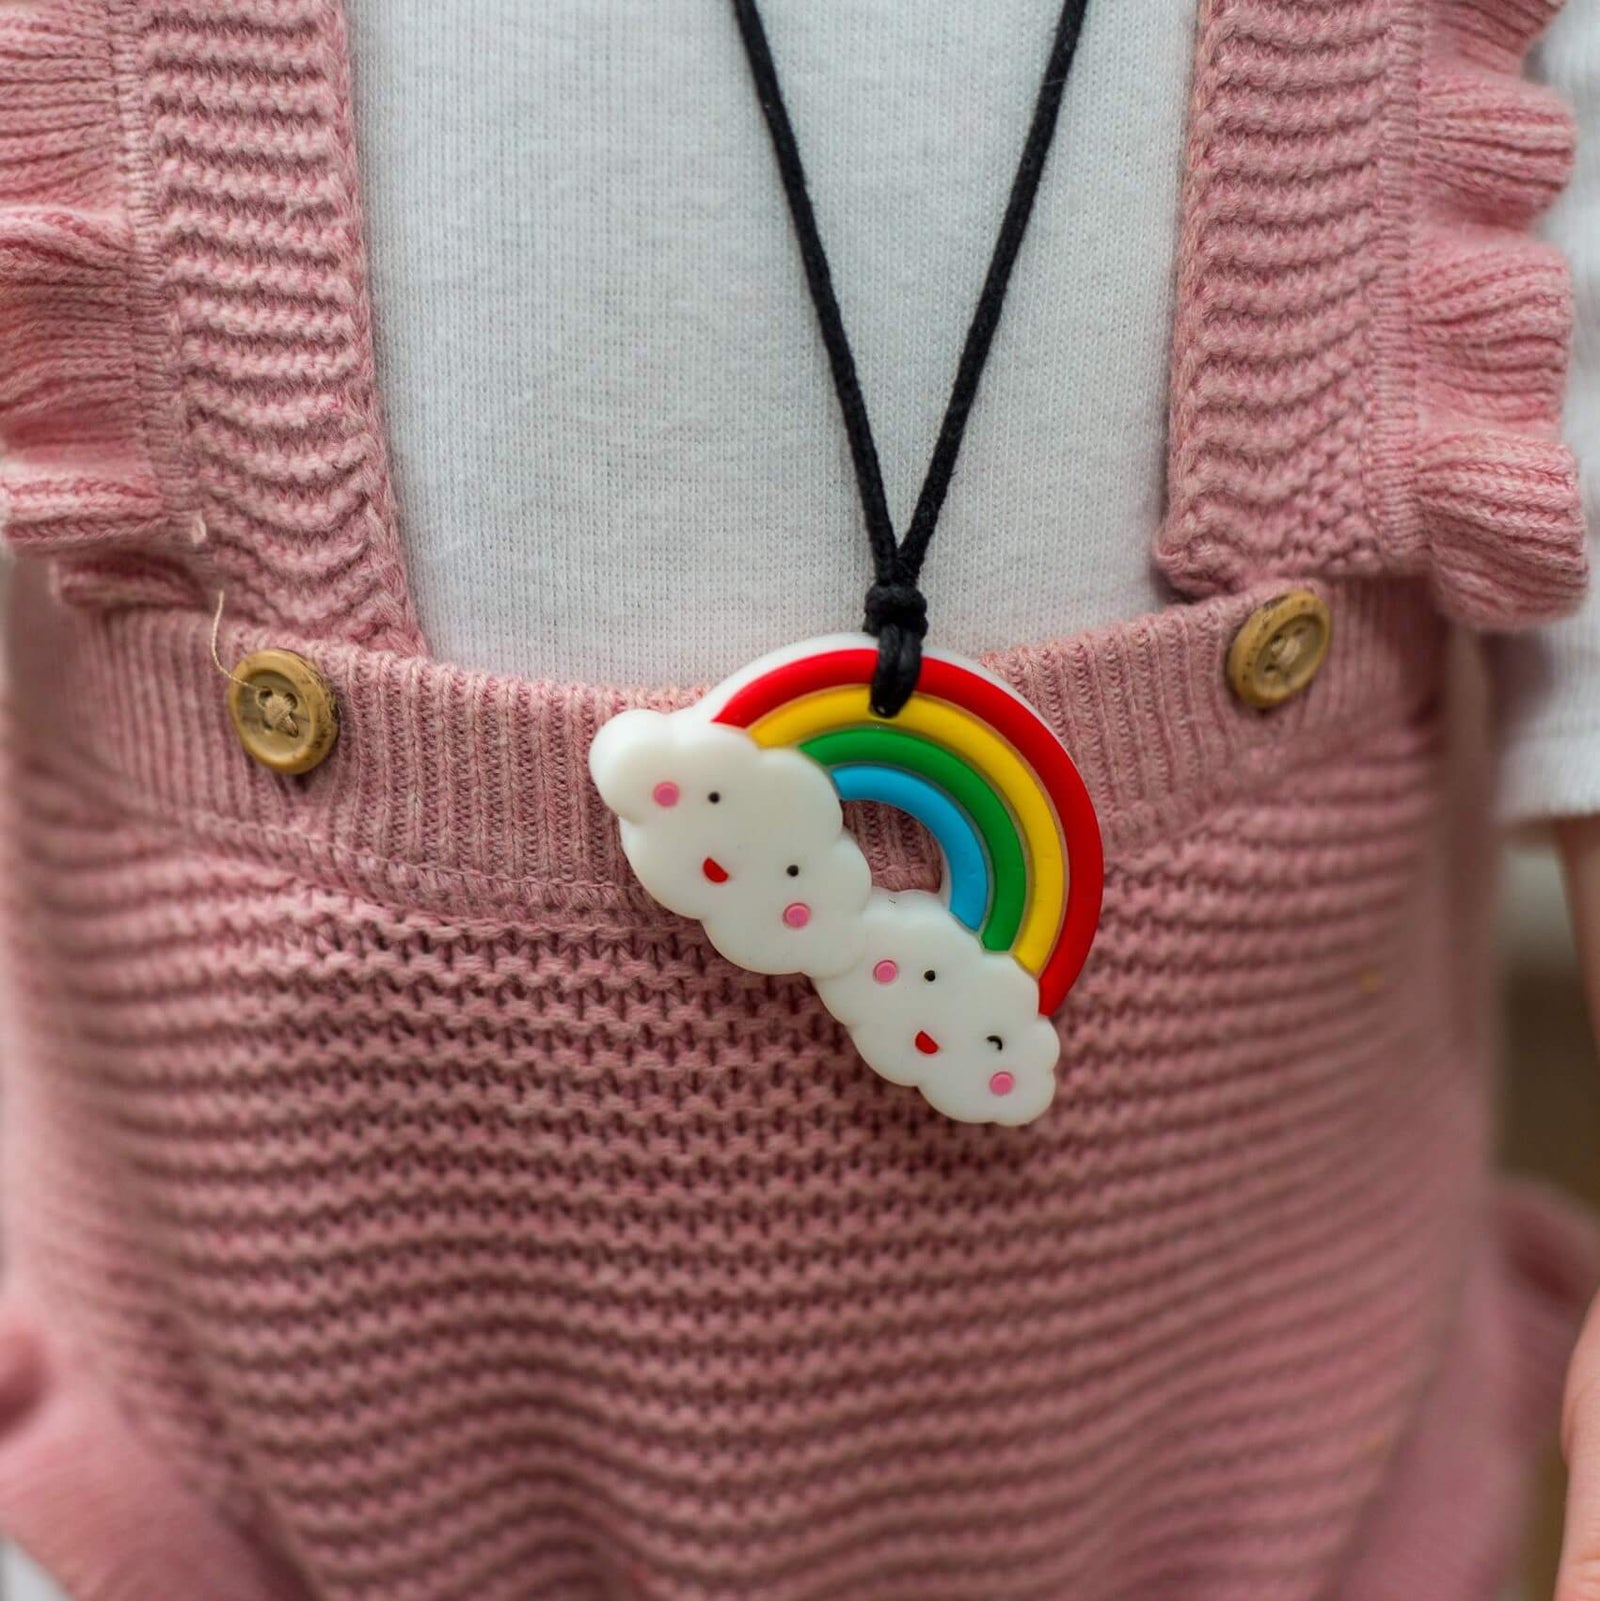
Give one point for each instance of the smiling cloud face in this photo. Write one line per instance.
(926, 1005)
(749, 841)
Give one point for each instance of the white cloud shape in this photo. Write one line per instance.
(749, 841)
(926, 1005)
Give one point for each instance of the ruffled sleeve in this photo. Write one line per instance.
(80, 435)
(187, 391)
(1370, 347)
(1499, 523)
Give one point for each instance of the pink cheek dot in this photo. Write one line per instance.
(886, 972)
(1002, 1084)
(797, 914)
(665, 794)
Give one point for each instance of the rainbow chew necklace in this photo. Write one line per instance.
(730, 809)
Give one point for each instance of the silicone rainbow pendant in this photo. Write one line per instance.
(730, 814)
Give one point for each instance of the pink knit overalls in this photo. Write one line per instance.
(402, 1207)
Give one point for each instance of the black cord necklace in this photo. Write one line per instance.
(730, 808)
(896, 611)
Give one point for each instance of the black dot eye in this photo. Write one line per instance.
(995, 1040)
(714, 796)
(792, 870)
(930, 975)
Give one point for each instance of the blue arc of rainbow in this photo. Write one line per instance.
(979, 768)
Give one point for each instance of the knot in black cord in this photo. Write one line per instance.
(897, 613)
(896, 603)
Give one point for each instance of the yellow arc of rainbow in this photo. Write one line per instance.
(964, 735)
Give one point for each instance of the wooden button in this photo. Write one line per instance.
(283, 710)
(1280, 649)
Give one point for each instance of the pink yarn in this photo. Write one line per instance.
(401, 1207)
(1368, 361)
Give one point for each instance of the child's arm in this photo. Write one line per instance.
(1560, 774)
(1580, 1424)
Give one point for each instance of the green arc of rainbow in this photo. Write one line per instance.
(990, 816)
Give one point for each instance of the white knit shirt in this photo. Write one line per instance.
(1552, 678)
(617, 448)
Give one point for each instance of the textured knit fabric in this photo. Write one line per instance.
(598, 352)
(400, 1207)
(497, 1240)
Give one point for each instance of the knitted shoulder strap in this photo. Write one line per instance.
(187, 397)
(1369, 353)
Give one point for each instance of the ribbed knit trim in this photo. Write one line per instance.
(187, 393)
(458, 788)
(1368, 356)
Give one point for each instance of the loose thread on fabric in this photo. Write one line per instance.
(216, 654)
